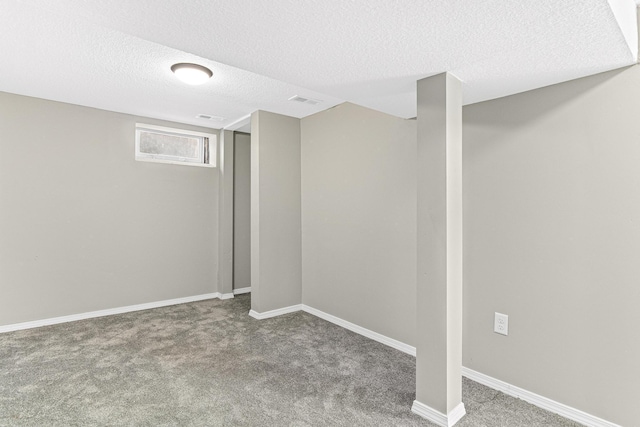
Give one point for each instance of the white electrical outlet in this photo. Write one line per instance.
(501, 324)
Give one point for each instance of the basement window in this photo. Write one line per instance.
(175, 146)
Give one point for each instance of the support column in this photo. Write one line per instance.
(439, 284)
(276, 243)
(225, 224)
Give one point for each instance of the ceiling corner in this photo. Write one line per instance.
(626, 14)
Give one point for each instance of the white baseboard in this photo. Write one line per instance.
(226, 296)
(242, 290)
(456, 414)
(405, 348)
(438, 417)
(107, 312)
(274, 313)
(537, 400)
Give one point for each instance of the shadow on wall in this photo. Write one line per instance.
(540, 102)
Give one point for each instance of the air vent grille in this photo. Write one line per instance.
(209, 117)
(304, 100)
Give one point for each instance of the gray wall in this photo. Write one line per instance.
(552, 238)
(276, 276)
(83, 226)
(242, 211)
(359, 218)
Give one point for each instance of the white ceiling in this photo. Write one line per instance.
(116, 54)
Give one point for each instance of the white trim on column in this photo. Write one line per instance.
(438, 417)
(107, 312)
(537, 400)
(276, 312)
(242, 290)
(225, 214)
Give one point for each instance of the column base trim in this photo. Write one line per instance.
(438, 417)
(277, 312)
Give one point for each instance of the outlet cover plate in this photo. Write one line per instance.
(501, 324)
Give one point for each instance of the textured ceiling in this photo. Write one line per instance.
(116, 54)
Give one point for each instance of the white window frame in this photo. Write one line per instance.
(174, 160)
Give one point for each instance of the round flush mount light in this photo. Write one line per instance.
(192, 74)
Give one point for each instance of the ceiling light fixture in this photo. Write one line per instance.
(192, 74)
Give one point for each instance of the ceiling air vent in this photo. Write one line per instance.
(208, 117)
(303, 100)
